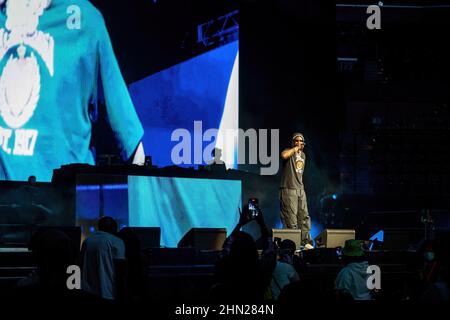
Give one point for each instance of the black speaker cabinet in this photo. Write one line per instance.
(149, 237)
(204, 238)
(332, 238)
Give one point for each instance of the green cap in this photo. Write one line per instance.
(353, 248)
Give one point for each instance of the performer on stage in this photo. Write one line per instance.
(294, 209)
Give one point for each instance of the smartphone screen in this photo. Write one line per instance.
(253, 207)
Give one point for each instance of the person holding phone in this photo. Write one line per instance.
(294, 208)
(242, 274)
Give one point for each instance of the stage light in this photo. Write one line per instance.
(279, 225)
(316, 229)
(334, 196)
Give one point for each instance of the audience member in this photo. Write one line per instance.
(284, 272)
(103, 262)
(438, 290)
(242, 275)
(351, 282)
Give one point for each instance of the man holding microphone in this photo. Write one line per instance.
(294, 209)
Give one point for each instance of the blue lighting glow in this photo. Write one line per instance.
(105, 187)
(316, 229)
(379, 236)
(279, 224)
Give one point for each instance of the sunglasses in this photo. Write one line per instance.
(298, 140)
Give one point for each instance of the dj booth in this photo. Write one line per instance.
(174, 199)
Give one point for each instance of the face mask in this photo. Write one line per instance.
(428, 256)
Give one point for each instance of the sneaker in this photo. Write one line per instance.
(308, 247)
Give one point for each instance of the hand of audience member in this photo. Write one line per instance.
(244, 216)
(260, 218)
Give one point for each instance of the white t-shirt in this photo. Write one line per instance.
(99, 252)
(283, 274)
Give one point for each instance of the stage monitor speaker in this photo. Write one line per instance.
(332, 238)
(149, 237)
(204, 239)
(290, 234)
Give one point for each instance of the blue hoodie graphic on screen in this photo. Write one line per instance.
(49, 76)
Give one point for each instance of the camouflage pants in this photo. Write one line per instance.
(294, 212)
